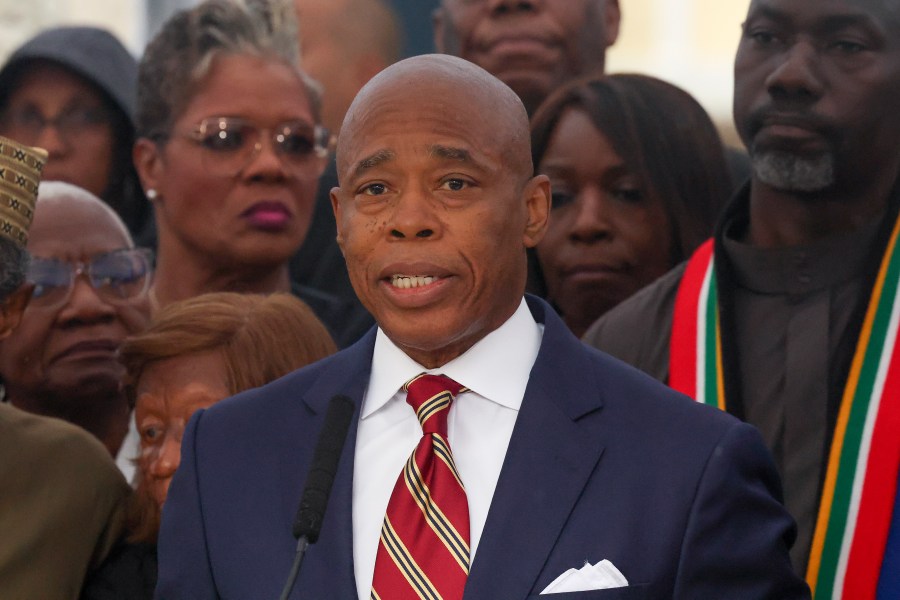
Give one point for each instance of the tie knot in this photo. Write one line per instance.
(430, 396)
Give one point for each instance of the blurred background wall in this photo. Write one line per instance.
(688, 42)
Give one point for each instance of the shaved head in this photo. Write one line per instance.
(473, 97)
(56, 196)
(437, 203)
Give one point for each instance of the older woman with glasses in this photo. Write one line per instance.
(230, 151)
(90, 292)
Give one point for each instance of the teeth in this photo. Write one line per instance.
(411, 281)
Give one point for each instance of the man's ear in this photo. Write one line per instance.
(336, 207)
(537, 202)
(148, 163)
(612, 18)
(12, 308)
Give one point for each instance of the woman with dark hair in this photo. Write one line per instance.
(195, 353)
(638, 174)
(230, 150)
(70, 90)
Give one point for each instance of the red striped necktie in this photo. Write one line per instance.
(424, 548)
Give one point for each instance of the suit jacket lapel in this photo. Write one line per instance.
(328, 566)
(549, 461)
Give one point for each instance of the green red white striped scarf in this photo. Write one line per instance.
(857, 500)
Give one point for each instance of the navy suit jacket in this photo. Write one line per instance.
(603, 463)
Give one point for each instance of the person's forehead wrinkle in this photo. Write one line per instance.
(460, 155)
(507, 119)
(836, 23)
(373, 161)
(764, 10)
(513, 129)
(450, 153)
(872, 14)
(515, 147)
(61, 210)
(370, 101)
(439, 80)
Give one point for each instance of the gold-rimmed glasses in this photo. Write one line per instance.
(229, 144)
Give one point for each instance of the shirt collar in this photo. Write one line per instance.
(497, 367)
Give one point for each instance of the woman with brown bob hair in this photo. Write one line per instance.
(195, 353)
(639, 175)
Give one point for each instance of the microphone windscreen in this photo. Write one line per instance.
(308, 521)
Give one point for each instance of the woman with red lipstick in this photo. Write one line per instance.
(230, 150)
(638, 176)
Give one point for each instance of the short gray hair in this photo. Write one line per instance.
(183, 50)
(61, 191)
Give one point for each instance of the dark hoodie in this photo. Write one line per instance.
(98, 57)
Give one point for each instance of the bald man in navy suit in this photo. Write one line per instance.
(567, 456)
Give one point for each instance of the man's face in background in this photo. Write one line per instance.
(533, 46)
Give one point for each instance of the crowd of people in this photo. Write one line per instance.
(203, 248)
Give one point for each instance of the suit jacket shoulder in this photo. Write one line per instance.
(607, 463)
(61, 506)
(638, 330)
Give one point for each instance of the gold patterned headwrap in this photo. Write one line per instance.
(20, 174)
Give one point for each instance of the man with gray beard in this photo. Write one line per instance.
(794, 172)
(787, 318)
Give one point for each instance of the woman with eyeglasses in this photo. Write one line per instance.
(89, 293)
(70, 90)
(230, 151)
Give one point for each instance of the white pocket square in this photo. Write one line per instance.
(601, 576)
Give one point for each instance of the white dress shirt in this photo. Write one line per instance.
(129, 451)
(480, 425)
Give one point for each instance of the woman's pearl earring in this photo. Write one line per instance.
(151, 194)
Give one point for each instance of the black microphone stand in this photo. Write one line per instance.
(302, 545)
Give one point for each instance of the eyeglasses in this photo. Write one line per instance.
(232, 143)
(118, 277)
(27, 123)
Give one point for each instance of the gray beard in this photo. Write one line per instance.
(789, 172)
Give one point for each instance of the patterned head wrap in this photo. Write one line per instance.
(20, 174)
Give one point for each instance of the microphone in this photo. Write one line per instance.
(311, 512)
